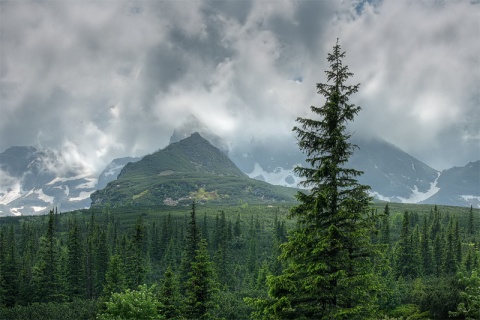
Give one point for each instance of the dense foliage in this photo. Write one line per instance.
(243, 245)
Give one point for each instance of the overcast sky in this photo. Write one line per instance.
(104, 79)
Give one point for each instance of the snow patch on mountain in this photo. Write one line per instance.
(112, 170)
(418, 196)
(42, 196)
(77, 177)
(279, 176)
(90, 184)
(10, 193)
(472, 200)
(470, 197)
(379, 196)
(64, 188)
(83, 195)
(16, 211)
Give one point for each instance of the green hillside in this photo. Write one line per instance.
(189, 169)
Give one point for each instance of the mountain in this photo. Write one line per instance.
(458, 185)
(112, 170)
(34, 181)
(190, 168)
(393, 174)
(192, 125)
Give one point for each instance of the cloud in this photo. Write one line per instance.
(109, 79)
(419, 69)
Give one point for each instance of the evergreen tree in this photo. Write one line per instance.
(471, 222)
(438, 245)
(252, 249)
(115, 281)
(200, 287)
(154, 245)
(75, 269)
(406, 262)
(169, 296)
(449, 255)
(436, 226)
(9, 270)
(237, 227)
(191, 246)
(457, 242)
(90, 258)
(385, 230)
(425, 250)
(330, 273)
(28, 251)
(221, 257)
(45, 276)
(102, 257)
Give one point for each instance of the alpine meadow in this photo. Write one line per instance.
(184, 234)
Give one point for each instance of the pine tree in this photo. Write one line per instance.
(457, 242)
(449, 255)
(385, 230)
(90, 258)
(28, 250)
(330, 273)
(169, 296)
(406, 263)
(237, 229)
(75, 269)
(115, 277)
(221, 257)
(436, 226)
(8, 270)
(191, 246)
(102, 257)
(45, 276)
(438, 245)
(471, 222)
(425, 250)
(154, 245)
(200, 287)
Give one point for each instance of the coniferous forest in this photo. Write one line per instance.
(334, 254)
(170, 264)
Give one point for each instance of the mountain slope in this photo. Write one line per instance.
(458, 186)
(190, 168)
(33, 181)
(192, 125)
(393, 174)
(112, 170)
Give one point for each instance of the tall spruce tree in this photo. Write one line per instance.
(201, 286)
(45, 272)
(75, 269)
(471, 222)
(191, 246)
(329, 255)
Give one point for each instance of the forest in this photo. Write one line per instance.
(332, 254)
(101, 263)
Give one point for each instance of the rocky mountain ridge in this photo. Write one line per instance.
(33, 181)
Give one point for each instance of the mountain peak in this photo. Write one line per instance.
(192, 154)
(193, 125)
(191, 168)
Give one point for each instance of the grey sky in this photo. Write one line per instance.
(103, 79)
